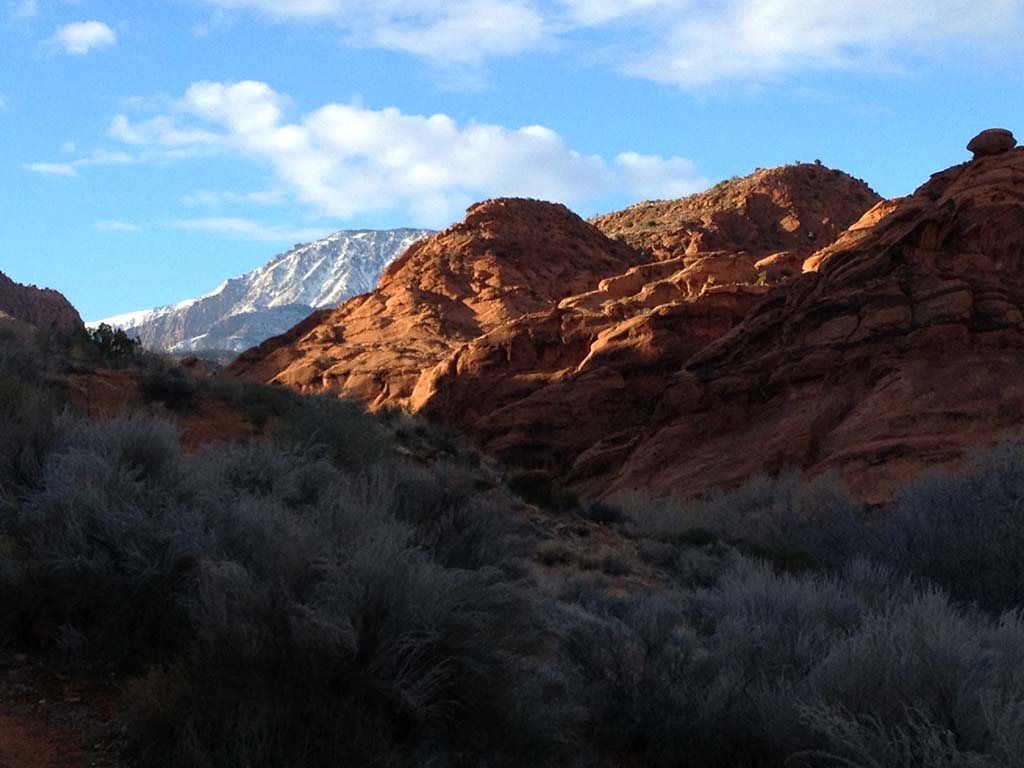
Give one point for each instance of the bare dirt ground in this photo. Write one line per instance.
(52, 719)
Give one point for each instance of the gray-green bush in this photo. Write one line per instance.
(312, 599)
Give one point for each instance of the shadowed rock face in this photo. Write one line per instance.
(572, 390)
(902, 350)
(896, 347)
(44, 308)
(543, 338)
(992, 141)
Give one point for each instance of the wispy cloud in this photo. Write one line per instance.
(82, 37)
(97, 157)
(51, 169)
(443, 31)
(345, 159)
(681, 42)
(247, 229)
(3, 103)
(204, 197)
(117, 226)
(772, 39)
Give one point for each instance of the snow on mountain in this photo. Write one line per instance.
(246, 310)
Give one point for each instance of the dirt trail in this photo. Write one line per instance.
(48, 720)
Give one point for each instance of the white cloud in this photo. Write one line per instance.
(204, 197)
(83, 36)
(689, 43)
(51, 169)
(3, 103)
(444, 31)
(592, 12)
(117, 226)
(695, 44)
(652, 176)
(467, 32)
(247, 229)
(345, 160)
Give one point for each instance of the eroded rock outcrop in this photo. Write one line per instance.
(44, 308)
(506, 259)
(541, 337)
(902, 350)
(992, 141)
(796, 208)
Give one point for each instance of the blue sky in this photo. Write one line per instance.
(149, 150)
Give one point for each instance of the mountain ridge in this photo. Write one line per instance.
(245, 310)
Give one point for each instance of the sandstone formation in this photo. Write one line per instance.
(904, 349)
(508, 258)
(896, 346)
(44, 308)
(993, 141)
(543, 338)
(795, 208)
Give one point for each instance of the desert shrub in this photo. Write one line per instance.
(98, 561)
(631, 671)
(295, 478)
(538, 487)
(341, 428)
(614, 565)
(324, 645)
(451, 518)
(964, 530)
(285, 611)
(791, 520)
(688, 565)
(301, 601)
(28, 413)
(170, 385)
(478, 534)
(772, 669)
(603, 512)
(552, 552)
(870, 742)
(812, 664)
(922, 682)
(259, 402)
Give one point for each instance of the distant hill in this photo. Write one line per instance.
(245, 310)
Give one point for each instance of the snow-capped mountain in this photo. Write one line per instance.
(246, 310)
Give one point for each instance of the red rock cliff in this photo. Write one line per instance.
(46, 309)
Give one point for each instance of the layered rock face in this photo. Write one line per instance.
(572, 390)
(795, 208)
(508, 258)
(904, 349)
(547, 341)
(44, 308)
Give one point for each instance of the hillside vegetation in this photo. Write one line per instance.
(336, 588)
